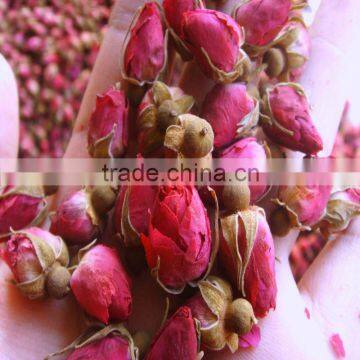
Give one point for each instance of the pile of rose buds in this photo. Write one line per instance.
(33, 36)
(210, 250)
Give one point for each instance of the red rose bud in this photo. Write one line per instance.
(158, 110)
(112, 342)
(101, 285)
(178, 246)
(75, 219)
(247, 254)
(286, 119)
(249, 150)
(38, 261)
(299, 206)
(262, 20)
(20, 207)
(174, 10)
(289, 52)
(132, 212)
(215, 40)
(144, 56)
(231, 112)
(341, 208)
(177, 339)
(223, 321)
(108, 125)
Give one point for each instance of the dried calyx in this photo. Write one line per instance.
(191, 137)
(236, 197)
(103, 198)
(222, 319)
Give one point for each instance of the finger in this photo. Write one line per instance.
(9, 112)
(331, 288)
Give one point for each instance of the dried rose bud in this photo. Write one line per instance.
(299, 207)
(174, 10)
(177, 339)
(108, 125)
(215, 40)
(247, 254)
(255, 154)
(112, 342)
(231, 112)
(289, 52)
(76, 220)
(101, 285)
(235, 197)
(21, 207)
(38, 261)
(179, 244)
(286, 119)
(158, 110)
(223, 321)
(132, 212)
(144, 56)
(262, 20)
(192, 137)
(103, 198)
(342, 207)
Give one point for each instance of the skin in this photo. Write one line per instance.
(30, 330)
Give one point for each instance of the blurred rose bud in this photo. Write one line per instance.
(286, 119)
(158, 110)
(231, 112)
(174, 10)
(289, 52)
(38, 261)
(112, 342)
(108, 125)
(177, 339)
(223, 321)
(215, 40)
(299, 207)
(179, 243)
(252, 153)
(341, 208)
(21, 207)
(144, 56)
(101, 285)
(103, 198)
(76, 220)
(262, 20)
(248, 256)
(132, 212)
(192, 137)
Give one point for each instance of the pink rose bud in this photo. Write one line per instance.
(179, 242)
(215, 40)
(38, 262)
(299, 207)
(132, 212)
(341, 208)
(174, 10)
(255, 155)
(158, 110)
(144, 56)
(223, 320)
(21, 207)
(262, 20)
(248, 256)
(108, 125)
(231, 112)
(101, 285)
(75, 219)
(289, 52)
(286, 119)
(177, 339)
(112, 342)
